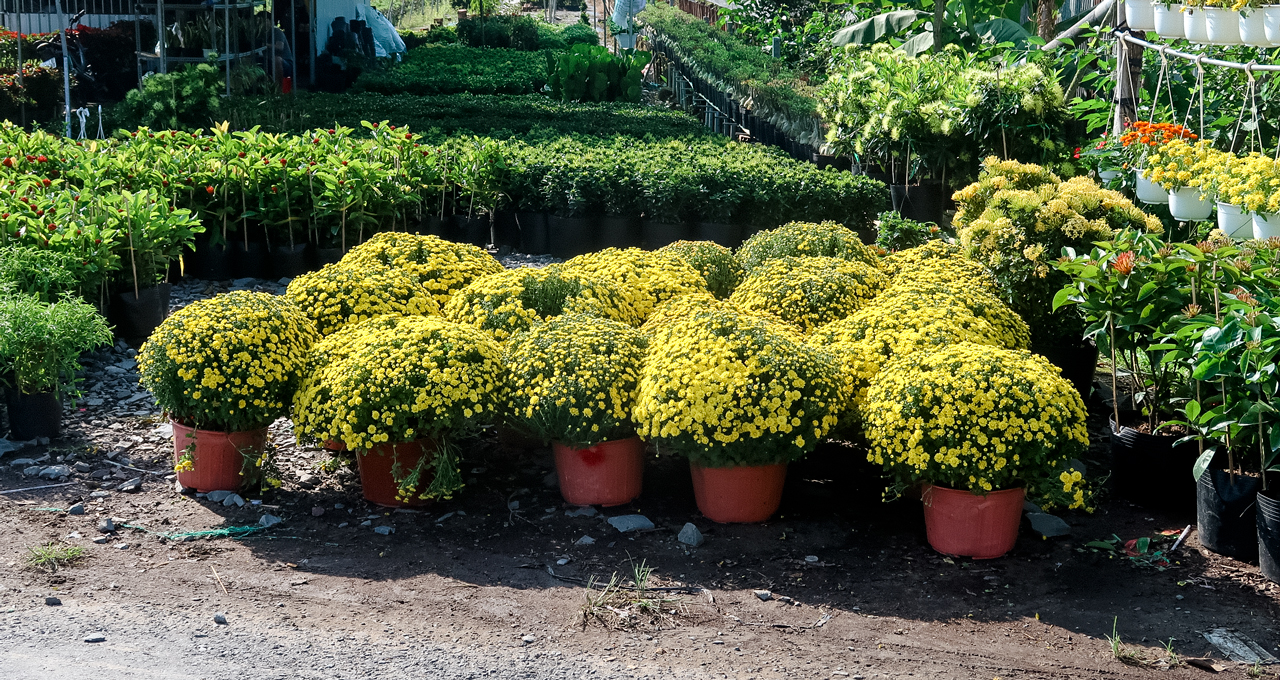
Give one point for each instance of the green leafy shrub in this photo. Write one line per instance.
(805, 239)
(449, 69)
(592, 73)
(45, 274)
(895, 232)
(41, 344)
(186, 99)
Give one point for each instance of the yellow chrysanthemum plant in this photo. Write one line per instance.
(443, 267)
(681, 307)
(339, 294)
(936, 262)
(512, 300)
(716, 263)
(228, 364)
(645, 278)
(981, 419)
(402, 383)
(1178, 164)
(809, 292)
(1253, 183)
(805, 239)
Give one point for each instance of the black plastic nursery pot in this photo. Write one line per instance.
(654, 235)
(727, 235)
(210, 262)
(618, 231)
(473, 230)
(1226, 506)
(533, 233)
(924, 202)
(33, 415)
(249, 260)
(1151, 471)
(327, 256)
(506, 231)
(435, 226)
(136, 316)
(570, 236)
(1268, 520)
(288, 262)
(1078, 361)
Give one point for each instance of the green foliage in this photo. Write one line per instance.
(45, 274)
(185, 99)
(41, 344)
(803, 239)
(896, 232)
(592, 73)
(555, 37)
(514, 31)
(449, 69)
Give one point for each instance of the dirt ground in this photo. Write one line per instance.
(494, 583)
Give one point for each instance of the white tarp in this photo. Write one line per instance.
(624, 12)
(386, 40)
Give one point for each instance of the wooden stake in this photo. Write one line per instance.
(215, 575)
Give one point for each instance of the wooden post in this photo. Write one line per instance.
(1128, 83)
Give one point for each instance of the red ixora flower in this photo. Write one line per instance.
(209, 190)
(1123, 264)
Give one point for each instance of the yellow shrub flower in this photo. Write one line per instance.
(805, 239)
(809, 291)
(644, 278)
(515, 299)
(443, 267)
(339, 294)
(717, 264)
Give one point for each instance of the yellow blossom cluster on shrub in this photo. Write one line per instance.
(512, 300)
(1252, 182)
(974, 297)
(937, 262)
(805, 239)
(443, 267)
(681, 307)
(229, 363)
(1177, 164)
(573, 380)
(717, 264)
(809, 291)
(977, 418)
(726, 388)
(645, 278)
(339, 294)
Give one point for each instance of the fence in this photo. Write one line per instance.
(41, 16)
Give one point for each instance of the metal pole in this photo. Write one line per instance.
(21, 80)
(293, 36)
(66, 72)
(226, 56)
(312, 50)
(137, 42)
(163, 52)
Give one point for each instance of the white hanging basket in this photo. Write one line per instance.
(1189, 204)
(1149, 192)
(1140, 14)
(1222, 25)
(1271, 23)
(1253, 29)
(1168, 20)
(1194, 26)
(1266, 225)
(1233, 221)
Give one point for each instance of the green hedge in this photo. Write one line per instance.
(450, 69)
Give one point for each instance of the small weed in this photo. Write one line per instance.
(1120, 651)
(53, 556)
(1171, 657)
(618, 605)
(1256, 671)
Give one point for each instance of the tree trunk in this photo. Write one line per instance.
(939, 14)
(1047, 23)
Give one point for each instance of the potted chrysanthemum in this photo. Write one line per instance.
(443, 267)
(512, 300)
(572, 381)
(741, 397)
(645, 278)
(341, 294)
(977, 429)
(398, 391)
(715, 262)
(223, 369)
(809, 291)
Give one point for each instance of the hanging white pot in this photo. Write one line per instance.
(1266, 225)
(1233, 221)
(1169, 20)
(1188, 204)
(1194, 27)
(1271, 23)
(1140, 14)
(1148, 191)
(1222, 25)
(1253, 29)
(1106, 176)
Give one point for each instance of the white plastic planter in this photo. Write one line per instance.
(1140, 14)
(1271, 23)
(1189, 205)
(1194, 27)
(1233, 221)
(1222, 25)
(1108, 175)
(1149, 192)
(1266, 226)
(1253, 29)
(1169, 20)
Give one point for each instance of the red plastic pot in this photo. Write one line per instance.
(334, 445)
(742, 494)
(377, 482)
(219, 457)
(609, 473)
(963, 524)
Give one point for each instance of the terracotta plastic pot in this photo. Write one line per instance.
(963, 524)
(1140, 15)
(376, 480)
(741, 494)
(609, 473)
(219, 457)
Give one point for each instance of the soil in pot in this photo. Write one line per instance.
(1151, 471)
(741, 494)
(249, 260)
(609, 473)
(289, 262)
(533, 233)
(376, 480)
(570, 236)
(218, 459)
(618, 231)
(473, 230)
(654, 235)
(727, 235)
(33, 415)
(963, 524)
(1268, 520)
(136, 316)
(1225, 510)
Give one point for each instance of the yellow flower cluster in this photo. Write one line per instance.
(683, 306)
(726, 388)
(229, 363)
(933, 264)
(715, 262)
(1177, 164)
(979, 418)
(1252, 182)
(397, 379)
(573, 380)
(805, 239)
(809, 291)
(512, 300)
(443, 267)
(339, 294)
(645, 278)
(908, 258)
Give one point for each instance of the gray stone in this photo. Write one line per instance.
(101, 540)
(764, 595)
(122, 546)
(127, 364)
(690, 535)
(811, 559)
(1048, 525)
(179, 488)
(56, 472)
(317, 511)
(384, 530)
(77, 509)
(308, 481)
(21, 462)
(106, 526)
(132, 486)
(165, 430)
(233, 499)
(367, 523)
(52, 601)
(96, 401)
(220, 619)
(99, 494)
(585, 540)
(584, 511)
(81, 467)
(1028, 506)
(95, 639)
(513, 505)
(443, 517)
(625, 523)
(217, 496)
(562, 561)
(6, 446)
(551, 480)
(242, 283)
(33, 470)
(101, 474)
(269, 521)
(528, 639)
